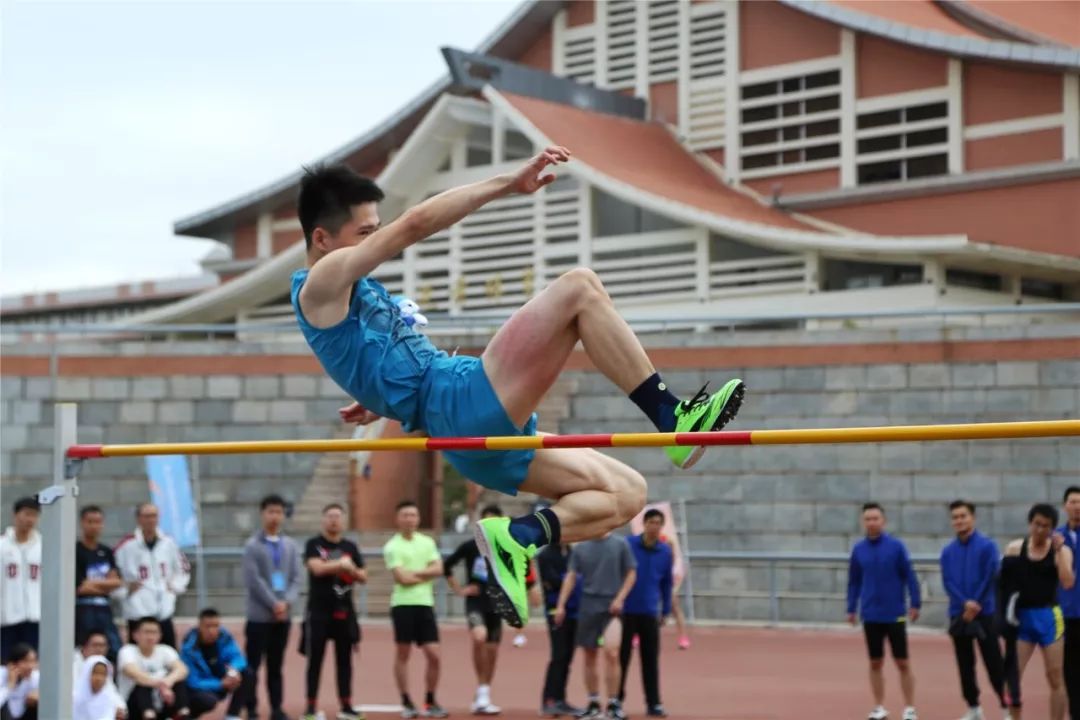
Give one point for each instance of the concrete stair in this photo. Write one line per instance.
(330, 480)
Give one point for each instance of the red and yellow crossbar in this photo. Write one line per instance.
(899, 433)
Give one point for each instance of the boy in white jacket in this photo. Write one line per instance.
(154, 571)
(20, 568)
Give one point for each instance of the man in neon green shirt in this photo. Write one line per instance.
(414, 560)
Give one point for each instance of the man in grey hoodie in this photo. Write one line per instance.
(272, 575)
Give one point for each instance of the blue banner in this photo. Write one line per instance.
(170, 490)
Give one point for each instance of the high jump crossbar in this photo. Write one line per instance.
(60, 505)
(899, 433)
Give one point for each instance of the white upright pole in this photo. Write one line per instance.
(200, 560)
(58, 523)
(688, 585)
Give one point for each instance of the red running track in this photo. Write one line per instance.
(730, 673)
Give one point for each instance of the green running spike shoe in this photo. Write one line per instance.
(704, 413)
(508, 564)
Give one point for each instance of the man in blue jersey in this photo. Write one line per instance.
(1069, 599)
(879, 572)
(969, 569)
(364, 343)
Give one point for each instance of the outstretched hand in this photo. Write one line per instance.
(357, 413)
(528, 179)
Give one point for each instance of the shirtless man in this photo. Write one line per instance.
(392, 370)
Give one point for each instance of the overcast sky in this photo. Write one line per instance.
(117, 119)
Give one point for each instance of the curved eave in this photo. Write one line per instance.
(526, 20)
(995, 50)
(980, 18)
(218, 219)
(778, 238)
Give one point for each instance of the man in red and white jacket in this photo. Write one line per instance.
(154, 571)
(20, 586)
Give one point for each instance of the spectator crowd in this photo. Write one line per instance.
(608, 597)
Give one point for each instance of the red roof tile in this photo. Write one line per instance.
(647, 156)
(1057, 21)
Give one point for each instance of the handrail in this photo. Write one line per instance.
(770, 558)
(443, 320)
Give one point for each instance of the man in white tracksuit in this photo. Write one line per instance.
(154, 571)
(20, 578)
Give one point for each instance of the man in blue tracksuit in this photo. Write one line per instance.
(216, 667)
(647, 604)
(969, 568)
(1069, 600)
(879, 571)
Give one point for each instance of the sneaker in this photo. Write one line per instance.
(703, 413)
(615, 711)
(878, 713)
(566, 708)
(508, 564)
(592, 711)
(684, 643)
(435, 710)
(520, 640)
(278, 714)
(656, 711)
(974, 713)
(310, 716)
(910, 714)
(349, 713)
(485, 708)
(408, 712)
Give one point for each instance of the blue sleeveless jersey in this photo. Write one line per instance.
(372, 354)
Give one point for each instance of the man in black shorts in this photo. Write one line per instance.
(879, 573)
(607, 570)
(334, 565)
(414, 560)
(485, 625)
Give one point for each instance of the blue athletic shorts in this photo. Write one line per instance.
(459, 401)
(1044, 626)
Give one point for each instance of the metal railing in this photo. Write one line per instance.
(772, 560)
(448, 324)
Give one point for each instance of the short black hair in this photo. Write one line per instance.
(91, 633)
(964, 504)
(492, 509)
(328, 194)
(90, 510)
(145, 620)
(26, 503)
(272, 499)
(333, 506)
(651, 513)
(1069, 491)
(1043, 510)
(873, 506)
(18, 653)
(406, 503)
(209, 613)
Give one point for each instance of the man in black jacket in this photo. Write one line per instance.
(485, 625)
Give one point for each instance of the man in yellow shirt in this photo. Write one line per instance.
(414, 560)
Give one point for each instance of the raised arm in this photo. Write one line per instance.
(340, 269)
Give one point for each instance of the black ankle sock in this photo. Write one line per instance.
(656, 401)
(429, 698)
(539, 529)
(406, 700)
